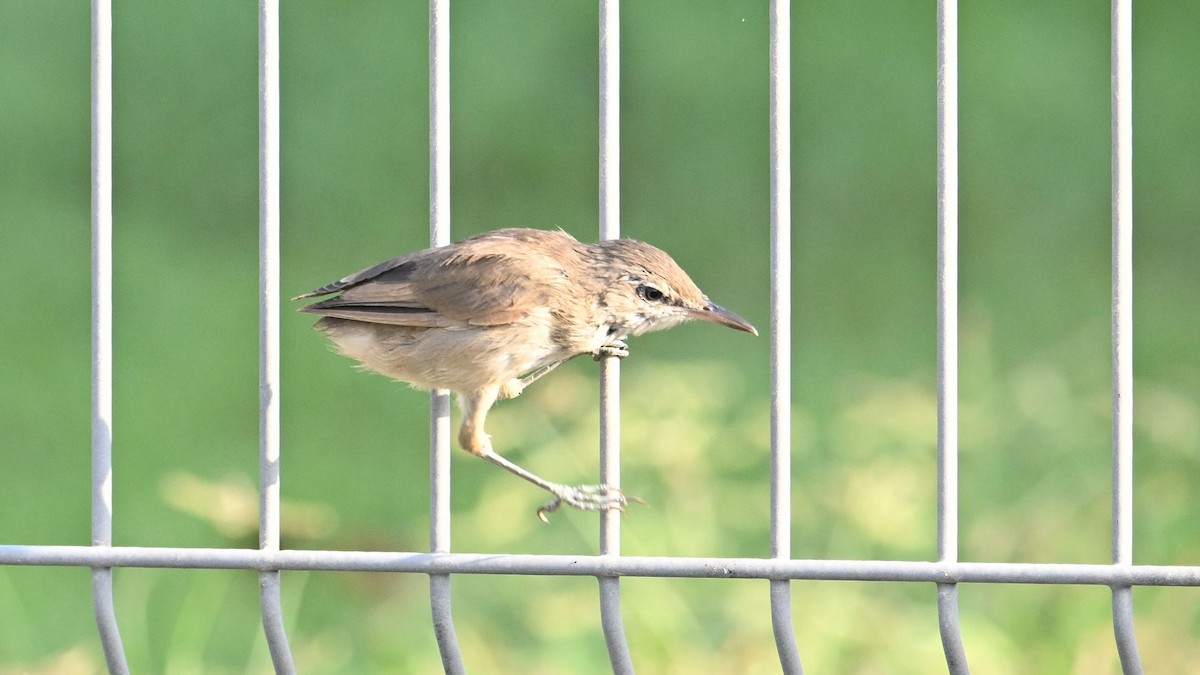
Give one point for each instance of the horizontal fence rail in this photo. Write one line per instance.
(600, 565)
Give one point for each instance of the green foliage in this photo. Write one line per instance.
(1035, 314)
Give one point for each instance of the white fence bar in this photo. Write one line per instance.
(102, 380)
(439, 399)
(1127, 647)
(602, 565)
(947, 327)
(439, 530)
(270, 600)
(610, 532)
(610, 368)
(1122, 326)
(781, 327)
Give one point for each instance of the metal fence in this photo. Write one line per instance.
(440, 564)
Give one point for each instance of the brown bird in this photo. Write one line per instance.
(487, 316)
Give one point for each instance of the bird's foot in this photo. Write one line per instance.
(617, 348)
(586, 498)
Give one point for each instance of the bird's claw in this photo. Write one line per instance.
(617, 349)
(587, 498)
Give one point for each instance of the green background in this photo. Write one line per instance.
(1035, 317)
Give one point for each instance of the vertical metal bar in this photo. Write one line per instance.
(947, 279)
(610, 543)
(271, 604)
(956, 656)
(1122, 284)
(781, 623)
(947, 326)
(439, 400)
(610, 369)
(106, 621)
(270, 601)
(781, 327)
(1127, 646)
(102, 581)
(610, 120)
(1122, 325)
(439, 539)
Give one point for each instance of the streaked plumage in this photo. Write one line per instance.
(475, 316)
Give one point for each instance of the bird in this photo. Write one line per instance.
(489, 315)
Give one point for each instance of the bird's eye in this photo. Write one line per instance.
(650, 293)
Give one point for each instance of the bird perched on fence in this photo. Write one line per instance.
(487, 316)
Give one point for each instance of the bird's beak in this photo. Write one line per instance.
(719, 315)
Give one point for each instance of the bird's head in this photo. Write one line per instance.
(648, 291)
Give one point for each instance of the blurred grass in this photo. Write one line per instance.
(1035, 310)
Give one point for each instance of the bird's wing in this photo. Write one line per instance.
(473, 283)
(398, 267)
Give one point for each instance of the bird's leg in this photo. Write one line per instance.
(515, 386)
(582, 497)
(473, 439)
